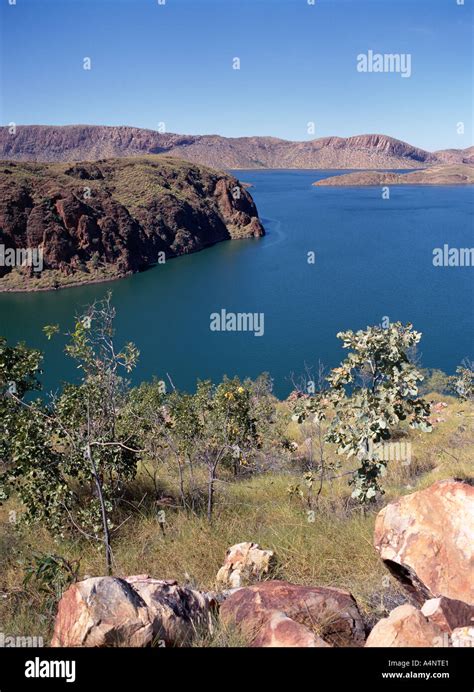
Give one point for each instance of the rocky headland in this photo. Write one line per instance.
(104, 220)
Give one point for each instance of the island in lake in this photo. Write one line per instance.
(443, 174)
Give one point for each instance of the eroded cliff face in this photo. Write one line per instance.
(115, 217)
(89, 142)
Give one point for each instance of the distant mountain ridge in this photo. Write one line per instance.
(52, 143)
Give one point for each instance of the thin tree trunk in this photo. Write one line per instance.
(181, 482)
(210, 494)
(103, 511)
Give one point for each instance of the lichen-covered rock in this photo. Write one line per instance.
(245, 563)
(135, 612)
(426, 539)
(176, 612)
(101, 612)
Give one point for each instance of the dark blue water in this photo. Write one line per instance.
(373, 259)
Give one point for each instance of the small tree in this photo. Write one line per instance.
(69, 459)
(214, 427)
(463, 381)
(19, 371)
(316, 425)
(372, 390)
(98, 449)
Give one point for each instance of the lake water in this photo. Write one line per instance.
(373, 258)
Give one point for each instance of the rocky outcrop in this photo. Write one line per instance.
(258, 612)
(406, 626)
(426, 540)
(135, 612)
(117, 217)
(86, 142)
(177, 613)
(245, 563)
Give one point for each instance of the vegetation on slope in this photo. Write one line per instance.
(153, 457)
(97, 221)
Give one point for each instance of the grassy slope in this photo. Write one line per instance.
(335, 550)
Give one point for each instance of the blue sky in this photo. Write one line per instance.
(172, 63)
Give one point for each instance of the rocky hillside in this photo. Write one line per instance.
(86, 142)
(444, 174)
(115, 217)
(428, 552)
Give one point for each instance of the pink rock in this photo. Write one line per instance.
(406, 626)
(426, 540)
(331, 614)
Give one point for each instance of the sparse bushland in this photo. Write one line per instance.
(158, 460)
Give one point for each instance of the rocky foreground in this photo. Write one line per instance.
(444, 174)
(104, 220)
(426, 541)
(89, 142)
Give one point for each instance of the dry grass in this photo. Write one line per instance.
(334, 550)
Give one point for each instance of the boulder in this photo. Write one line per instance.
(329, 613)
(426, 539)
(448, 614)
(405, 626)
(102, 611)
(177, 613)
(281, 631)
(135, 612)
(463, 636)
(245, 563)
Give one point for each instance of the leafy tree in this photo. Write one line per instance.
(24, 434)
(463, 380)
(214, 427)
(70, 459)
(98, 450)
(52, 574)
(372, 390)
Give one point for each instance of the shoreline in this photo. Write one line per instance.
(77, 284)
